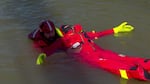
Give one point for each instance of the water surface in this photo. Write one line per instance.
(20, 17)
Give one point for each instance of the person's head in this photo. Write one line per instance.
(48, 28)
(68, 29)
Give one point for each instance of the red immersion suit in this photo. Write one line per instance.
(40, 41)
(81, 46)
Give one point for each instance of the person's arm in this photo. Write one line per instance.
(37, 39)
(96, 35)
(48, 51)
(123, 27)
(39, 44)
(34, 35)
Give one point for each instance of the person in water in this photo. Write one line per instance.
(45, 35)
(80, 44)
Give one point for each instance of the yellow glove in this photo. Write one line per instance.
(123, 27)
(40, 58)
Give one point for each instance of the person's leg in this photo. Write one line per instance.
(132, 60)
(124, 70)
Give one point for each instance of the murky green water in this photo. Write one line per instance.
(20, 17)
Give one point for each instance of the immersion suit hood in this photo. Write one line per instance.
(47, 26)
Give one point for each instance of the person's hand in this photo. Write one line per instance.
(41, 58)
(123, 27)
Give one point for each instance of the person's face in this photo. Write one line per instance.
(49, 35)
